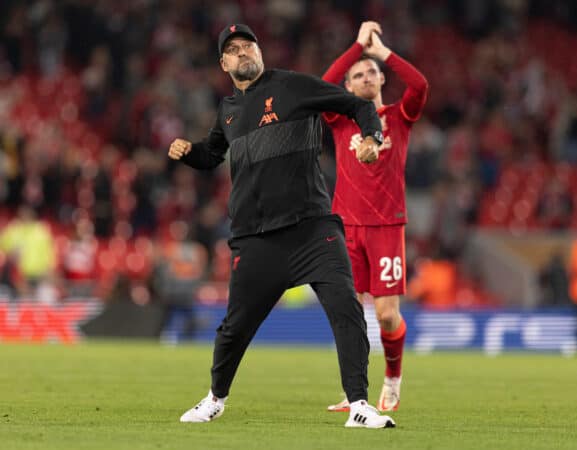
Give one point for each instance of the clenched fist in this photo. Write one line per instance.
(179, 148)
(368, 151)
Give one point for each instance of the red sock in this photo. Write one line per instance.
(393, 343)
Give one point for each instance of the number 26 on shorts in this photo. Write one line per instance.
(392, 268)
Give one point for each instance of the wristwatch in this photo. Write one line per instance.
(378, 136)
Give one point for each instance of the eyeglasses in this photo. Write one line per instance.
(234, 50)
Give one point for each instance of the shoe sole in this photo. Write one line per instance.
(353, 424)
(196, 419)
(339, 409)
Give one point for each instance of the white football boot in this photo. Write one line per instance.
(363, 415)
(390, 394)
(209, 408)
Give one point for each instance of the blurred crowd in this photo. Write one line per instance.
(93, 91)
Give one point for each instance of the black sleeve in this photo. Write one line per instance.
(320, 96)
(208, 153)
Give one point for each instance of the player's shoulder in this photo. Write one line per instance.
(391, 110)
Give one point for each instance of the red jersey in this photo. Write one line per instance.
(374, 194)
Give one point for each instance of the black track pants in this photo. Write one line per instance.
(263, 266)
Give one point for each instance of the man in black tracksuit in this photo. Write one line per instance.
(283, 232)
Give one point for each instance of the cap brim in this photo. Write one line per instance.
(249, 36)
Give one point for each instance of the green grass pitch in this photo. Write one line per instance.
(130, 395)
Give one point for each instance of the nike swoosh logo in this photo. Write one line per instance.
(390, 285)
(229, 120)
(331, 238)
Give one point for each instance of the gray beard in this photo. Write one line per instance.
(247, 72)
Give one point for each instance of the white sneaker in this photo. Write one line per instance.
(209, 408)
(390, 394)
(364, 415)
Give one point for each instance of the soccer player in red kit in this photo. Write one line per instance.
(370, 198)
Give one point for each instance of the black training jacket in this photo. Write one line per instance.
(273, 131)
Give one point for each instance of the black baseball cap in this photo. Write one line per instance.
(237, 29)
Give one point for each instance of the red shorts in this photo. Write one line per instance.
(378, 258)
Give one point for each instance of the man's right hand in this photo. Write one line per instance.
(367, 28)
(179, 148)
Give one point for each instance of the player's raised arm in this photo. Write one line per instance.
(336, 72)
(417, 89)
